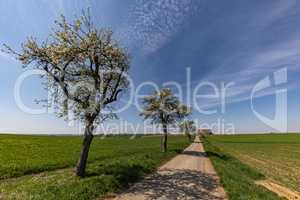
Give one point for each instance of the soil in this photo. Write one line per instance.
(279, 189)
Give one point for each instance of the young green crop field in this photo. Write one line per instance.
(41, 167)
(242, 159)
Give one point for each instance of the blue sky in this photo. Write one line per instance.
(219, 41)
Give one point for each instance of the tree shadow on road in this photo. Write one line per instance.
(178, 184)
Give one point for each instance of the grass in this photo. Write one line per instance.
(240, 160)
(41, 167)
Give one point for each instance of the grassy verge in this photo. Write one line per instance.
(114, 164)
(277, 156)
(237, 178)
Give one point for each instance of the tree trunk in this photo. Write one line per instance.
(190, 137)
(187, 133)
(164, 140)
(88, 137)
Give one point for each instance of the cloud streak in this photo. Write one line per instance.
(153, 23)
(248, 66)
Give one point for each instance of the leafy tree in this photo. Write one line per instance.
(85, 68)
(163, 108)
(188, 127)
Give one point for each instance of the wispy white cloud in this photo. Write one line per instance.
(251, 66)
(153, 23)
(279, 10)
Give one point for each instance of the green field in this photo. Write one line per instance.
(41, 167)
(242, 159)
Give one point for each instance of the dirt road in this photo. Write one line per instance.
(189, 175)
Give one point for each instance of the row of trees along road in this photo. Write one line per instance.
(188, 128)
(79, 54)
(164, 108)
